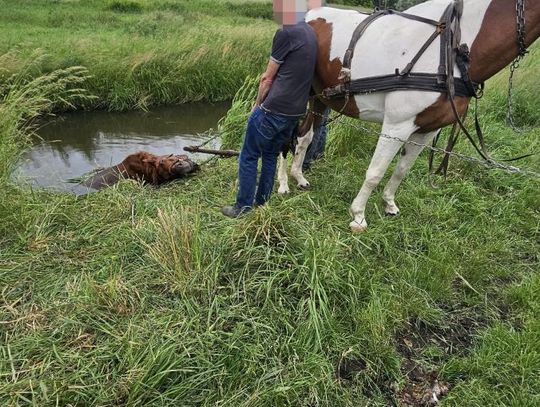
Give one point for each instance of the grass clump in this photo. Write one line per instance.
(233, 125)
(125, 6)
(24, 97)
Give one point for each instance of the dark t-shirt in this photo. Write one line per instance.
(295, 49)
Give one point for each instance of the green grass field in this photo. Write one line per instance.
(141, 53)
(150, 297)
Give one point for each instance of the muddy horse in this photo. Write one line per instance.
(144, 167)
(432, 56)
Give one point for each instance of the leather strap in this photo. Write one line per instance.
(349, 53)
(361, 28)
(387, 83)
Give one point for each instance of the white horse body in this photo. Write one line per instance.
(388, 43)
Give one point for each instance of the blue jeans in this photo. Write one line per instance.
(265, 134)
(316, 148)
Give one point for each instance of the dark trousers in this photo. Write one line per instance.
(316, 148)
(265, 134)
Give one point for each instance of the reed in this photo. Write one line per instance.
(25, 97)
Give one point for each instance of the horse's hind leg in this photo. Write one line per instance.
(305, 136)
(385, 151)
(296, 168)
(298, 160)
(282, 175)
(409, 154)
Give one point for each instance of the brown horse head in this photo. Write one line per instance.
(168, 167)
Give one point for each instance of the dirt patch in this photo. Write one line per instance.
(425, 347)
(423, 386)
(348, 367)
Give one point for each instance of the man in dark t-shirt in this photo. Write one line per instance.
(294, 48)
(281, 102)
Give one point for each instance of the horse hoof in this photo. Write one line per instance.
(283, 191)
(305, 187)
(391, 210)
(357, 227)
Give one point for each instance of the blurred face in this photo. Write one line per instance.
(289, 12)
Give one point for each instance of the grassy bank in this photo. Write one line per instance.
(149, 297)
(141, 52)
(139, 296)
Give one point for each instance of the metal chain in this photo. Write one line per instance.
(520, 24)
(520, 16)
(488, 164)
(340, 119)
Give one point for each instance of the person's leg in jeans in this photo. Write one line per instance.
(317, 146)
(270, 152)
(247, 162)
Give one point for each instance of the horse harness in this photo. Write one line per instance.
(451, 53)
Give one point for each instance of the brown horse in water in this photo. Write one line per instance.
(489, 29)
(144, 167)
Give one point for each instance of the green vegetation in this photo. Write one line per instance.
(141, 52)
(149, 297)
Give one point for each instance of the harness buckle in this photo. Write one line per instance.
(345, 74)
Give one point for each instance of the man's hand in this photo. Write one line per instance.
(265, 84)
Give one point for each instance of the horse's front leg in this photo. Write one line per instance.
(385, 151)
(409, 154)
(298, 160)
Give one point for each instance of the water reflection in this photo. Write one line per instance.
(75, 144)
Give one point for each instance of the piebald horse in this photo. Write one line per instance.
(488, 27)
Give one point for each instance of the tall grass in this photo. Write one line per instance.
(25, 97)
(233, 125)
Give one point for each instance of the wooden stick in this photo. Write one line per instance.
(222, 153)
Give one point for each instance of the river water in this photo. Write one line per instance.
(74, 144)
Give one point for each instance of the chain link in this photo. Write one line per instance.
(520, 24)
(520, 20)
(491, 164)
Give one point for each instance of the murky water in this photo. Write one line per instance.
(76, 143)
